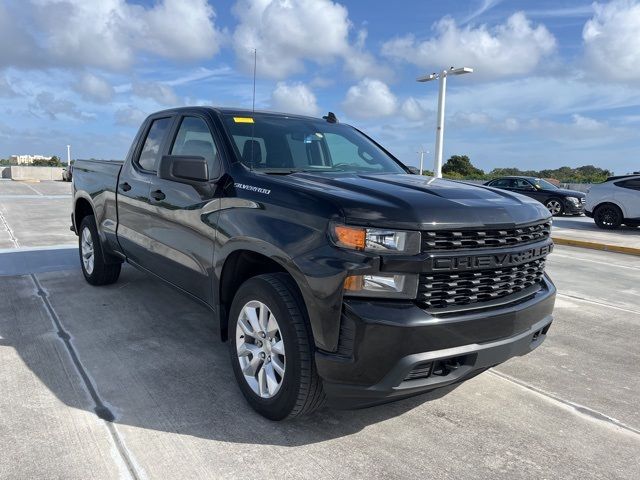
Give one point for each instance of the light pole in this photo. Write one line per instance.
(437, 159)
(68, 155)
(422, 152)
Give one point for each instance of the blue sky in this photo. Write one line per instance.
(555, 83)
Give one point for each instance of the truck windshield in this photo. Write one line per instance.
(280, 144)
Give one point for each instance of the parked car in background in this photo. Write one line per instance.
(614, 202)
(67, 174)
(557, 200)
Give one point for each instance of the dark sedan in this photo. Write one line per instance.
(558, 200)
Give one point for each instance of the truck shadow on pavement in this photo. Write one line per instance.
(154, 359)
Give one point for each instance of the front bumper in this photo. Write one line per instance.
(573, 209)
(391, 350)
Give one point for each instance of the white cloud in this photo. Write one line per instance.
(412, 110)
(54, 107)
(129, 116)
(586, 123)
(162, 94)
(515, 47)
(6, 90)
(612, 40)
(370, 98)
(107, 34)
(94, 88)
(182, 29)
(286, 33)
(17, 47)
(294, 98)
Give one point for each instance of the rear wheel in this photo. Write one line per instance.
(607, 216)
(555, 207)
(94, 268)
(271, 348)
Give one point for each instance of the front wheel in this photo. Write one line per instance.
(555, 207)
(271, 348)
(94, 268)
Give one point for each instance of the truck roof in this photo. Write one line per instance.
(236, 111)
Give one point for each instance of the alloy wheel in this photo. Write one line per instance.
(554, 207)
(86, 248)
(260, 349)
(607, 216)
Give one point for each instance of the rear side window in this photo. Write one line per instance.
(150, 155)
(520, 183)
(194, 139)
(501, 183)
(631, 184)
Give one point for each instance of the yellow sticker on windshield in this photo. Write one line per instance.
(243, 119)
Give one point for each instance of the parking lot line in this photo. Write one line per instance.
(4, 222)
(100, 409)
(590, 413)
(595, 302)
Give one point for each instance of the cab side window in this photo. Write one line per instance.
(150, 155)
(194, 139)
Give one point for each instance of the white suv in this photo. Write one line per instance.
(615, 202)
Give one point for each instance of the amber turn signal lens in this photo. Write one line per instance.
(350, 237)
(354, 283)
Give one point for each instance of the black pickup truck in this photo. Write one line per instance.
(332, 271)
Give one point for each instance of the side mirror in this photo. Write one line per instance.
(184, 169)
(414, 170)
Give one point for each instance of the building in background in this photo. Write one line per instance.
(27, 159)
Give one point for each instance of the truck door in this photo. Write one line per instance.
(133, 190)
(182, 236)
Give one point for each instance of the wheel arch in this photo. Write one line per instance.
(81, 209)
(239, 266)
(612, 203)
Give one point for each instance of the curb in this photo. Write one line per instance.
(596, 246)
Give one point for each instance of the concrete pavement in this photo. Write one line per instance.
(35, 214)
(151, 357)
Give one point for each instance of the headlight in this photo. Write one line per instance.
(573, 200)
(376, 240)
(382, 285)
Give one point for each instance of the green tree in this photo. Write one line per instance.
(461, 165)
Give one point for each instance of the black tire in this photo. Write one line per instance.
(608, 216)
(557, 204)
(301, 391)
(102, 273)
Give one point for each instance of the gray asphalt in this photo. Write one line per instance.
(150, 356)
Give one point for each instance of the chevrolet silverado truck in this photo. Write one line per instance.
(335, 274)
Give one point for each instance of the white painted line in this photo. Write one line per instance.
(595, 302)
(36, 249)
(13, 238)
(580, 410)
(608, 264)
(39, 193)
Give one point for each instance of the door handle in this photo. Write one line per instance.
(125, 187)
(158, 195)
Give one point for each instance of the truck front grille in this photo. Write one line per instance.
(490, 238)
(444, 290)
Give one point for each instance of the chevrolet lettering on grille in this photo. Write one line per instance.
(493, 260)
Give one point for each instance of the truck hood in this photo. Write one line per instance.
(419, 202)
